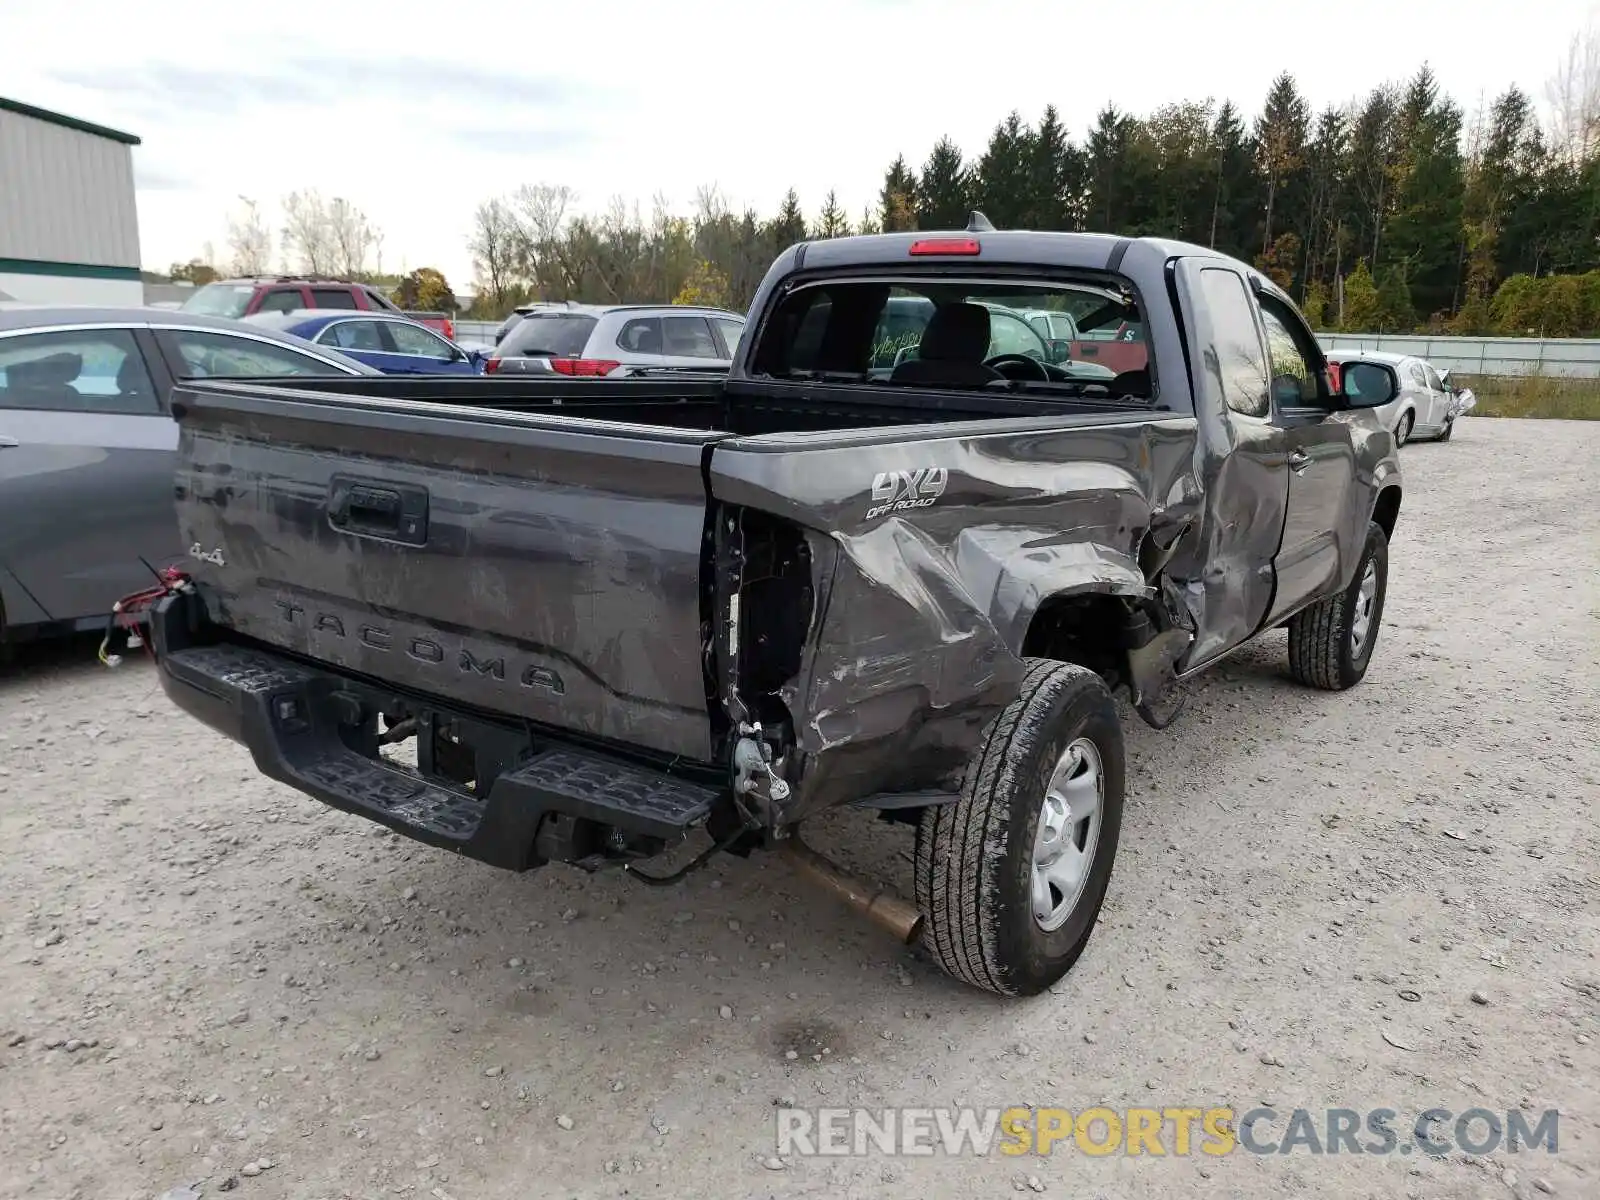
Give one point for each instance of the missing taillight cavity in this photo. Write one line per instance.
(776, 607)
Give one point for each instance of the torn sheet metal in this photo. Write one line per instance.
(918, 641)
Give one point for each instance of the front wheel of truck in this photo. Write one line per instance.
(1012, 875)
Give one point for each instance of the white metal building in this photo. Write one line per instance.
(69, 228)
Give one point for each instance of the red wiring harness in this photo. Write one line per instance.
(126, 614)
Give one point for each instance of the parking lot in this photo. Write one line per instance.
(1385, 898)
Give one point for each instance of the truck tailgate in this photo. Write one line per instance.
(538, 567)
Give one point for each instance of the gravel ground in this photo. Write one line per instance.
(268, 996)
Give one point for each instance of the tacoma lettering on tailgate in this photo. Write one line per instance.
(424, 650)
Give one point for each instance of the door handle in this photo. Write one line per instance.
(394, 512)
(7, 443)
(1299, 460)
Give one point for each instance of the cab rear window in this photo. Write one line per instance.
(977, 335)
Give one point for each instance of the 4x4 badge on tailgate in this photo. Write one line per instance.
(896, 491)
(214, 557)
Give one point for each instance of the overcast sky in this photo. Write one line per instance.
(416, 111)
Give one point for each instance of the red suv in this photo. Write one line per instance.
(237, 298)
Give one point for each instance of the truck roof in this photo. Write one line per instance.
(1079, 251)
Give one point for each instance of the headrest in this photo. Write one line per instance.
(956, 333)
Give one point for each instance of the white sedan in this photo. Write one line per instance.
(1427, 405)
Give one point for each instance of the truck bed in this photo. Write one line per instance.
(566, 556)
(744, 409)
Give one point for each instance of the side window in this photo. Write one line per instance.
(1013, 335)
(1434, 382)
(688, 337)
(376, 299)
(642, 335)
(1417, 377)
(1294, 383)
(282, 300)
(414, 339)
(352, 335)
(732, 332)
(1240, 363)
(332, 298)
(90, 371)
(222, 356)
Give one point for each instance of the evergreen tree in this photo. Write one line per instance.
(1280, 139)
(1501, 180)
(1424, 231)
(1055, 178)
(944, 193)
(1000, 183)
(1372, 164)
(1233, 184)
(1171, 159)
(1325, 236)
(1360, 308)
(831, 222)
(897, 202)
(789, 226)
(1396, 313)
(1107, 170)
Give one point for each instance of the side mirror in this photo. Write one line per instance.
(1060, 351)
(1367, 385)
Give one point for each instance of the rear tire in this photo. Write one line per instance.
(1331, 643)
(1402, 431)
(995, 889)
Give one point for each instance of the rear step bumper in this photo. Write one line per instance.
(288, 715)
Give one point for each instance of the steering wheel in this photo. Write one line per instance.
(1035, 366)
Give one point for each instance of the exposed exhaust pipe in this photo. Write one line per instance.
(881, 905)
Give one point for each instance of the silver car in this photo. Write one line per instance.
(87, 448)
(1427, 405)
(592, 341)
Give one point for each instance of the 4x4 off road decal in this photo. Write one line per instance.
(897, 491)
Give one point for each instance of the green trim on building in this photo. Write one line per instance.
(30, 266)
(66, 122)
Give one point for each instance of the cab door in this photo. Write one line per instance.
(1315, 551)
(1226, 569)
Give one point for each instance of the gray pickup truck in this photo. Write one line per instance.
(581, 621)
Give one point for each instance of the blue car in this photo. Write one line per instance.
(390, 343)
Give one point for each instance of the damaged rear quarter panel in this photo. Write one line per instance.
(917, 640)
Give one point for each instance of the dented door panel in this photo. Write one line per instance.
(1225, 571)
